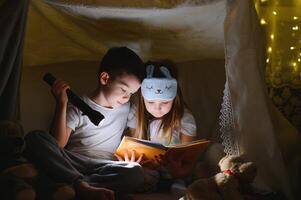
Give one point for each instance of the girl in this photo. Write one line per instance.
(161, 116)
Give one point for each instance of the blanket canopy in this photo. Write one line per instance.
(157, 30)
(217, 45)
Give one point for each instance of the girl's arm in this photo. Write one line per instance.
(186, 138)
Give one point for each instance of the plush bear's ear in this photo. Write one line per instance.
(225, 158)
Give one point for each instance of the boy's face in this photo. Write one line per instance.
(119, 90)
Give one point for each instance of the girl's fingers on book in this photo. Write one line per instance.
(140, 158)
(126, 156)
(133, 157)
(158, 161)
(149, 163)
(119, 157)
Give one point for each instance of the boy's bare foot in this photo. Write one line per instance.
(88, 192)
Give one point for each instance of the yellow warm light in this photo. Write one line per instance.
(283, 41)
(267, 60)
(263, 22)
(295, 28)
(294, 64)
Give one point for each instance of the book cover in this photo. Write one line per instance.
(151, 149)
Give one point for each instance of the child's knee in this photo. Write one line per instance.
(33, 136)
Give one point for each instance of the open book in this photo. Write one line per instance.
(151, 149)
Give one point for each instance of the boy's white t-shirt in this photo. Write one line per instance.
(100, 141)
(187, 127)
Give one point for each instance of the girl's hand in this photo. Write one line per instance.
(178, 164)
(152, 163)
(130, 157)
(58, 90)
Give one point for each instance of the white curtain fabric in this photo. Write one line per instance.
(248, 127)
(183, 31)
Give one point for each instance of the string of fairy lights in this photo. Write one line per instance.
(281, 20)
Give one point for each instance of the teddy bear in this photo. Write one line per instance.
(19, 179)
(231, 183)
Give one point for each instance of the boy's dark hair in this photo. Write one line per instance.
(119, 60)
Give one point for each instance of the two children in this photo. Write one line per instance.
(78, 152)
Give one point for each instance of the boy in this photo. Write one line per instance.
(79, 152)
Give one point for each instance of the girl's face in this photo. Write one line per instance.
(158, 108)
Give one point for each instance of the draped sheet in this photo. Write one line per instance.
(67, 31)
(251, 115)
(12, 22)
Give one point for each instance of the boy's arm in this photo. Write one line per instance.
(59, 130)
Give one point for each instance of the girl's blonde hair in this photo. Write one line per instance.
(172, 119)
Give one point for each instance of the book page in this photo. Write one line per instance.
(149, 149)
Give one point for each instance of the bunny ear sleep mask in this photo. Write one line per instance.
(159, 88)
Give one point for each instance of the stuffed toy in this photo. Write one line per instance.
(15, 172)
(231, 183)
(18, 177)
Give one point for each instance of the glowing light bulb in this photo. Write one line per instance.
(270, 49)
(263, 1)
(263, 22)
(295, 18)
(272, 36)
(267, 60)
(299, 60)
(274, 13)
(292, 48)
(294, 64)
(295, 28)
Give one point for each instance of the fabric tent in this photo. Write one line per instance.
(219, 50)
